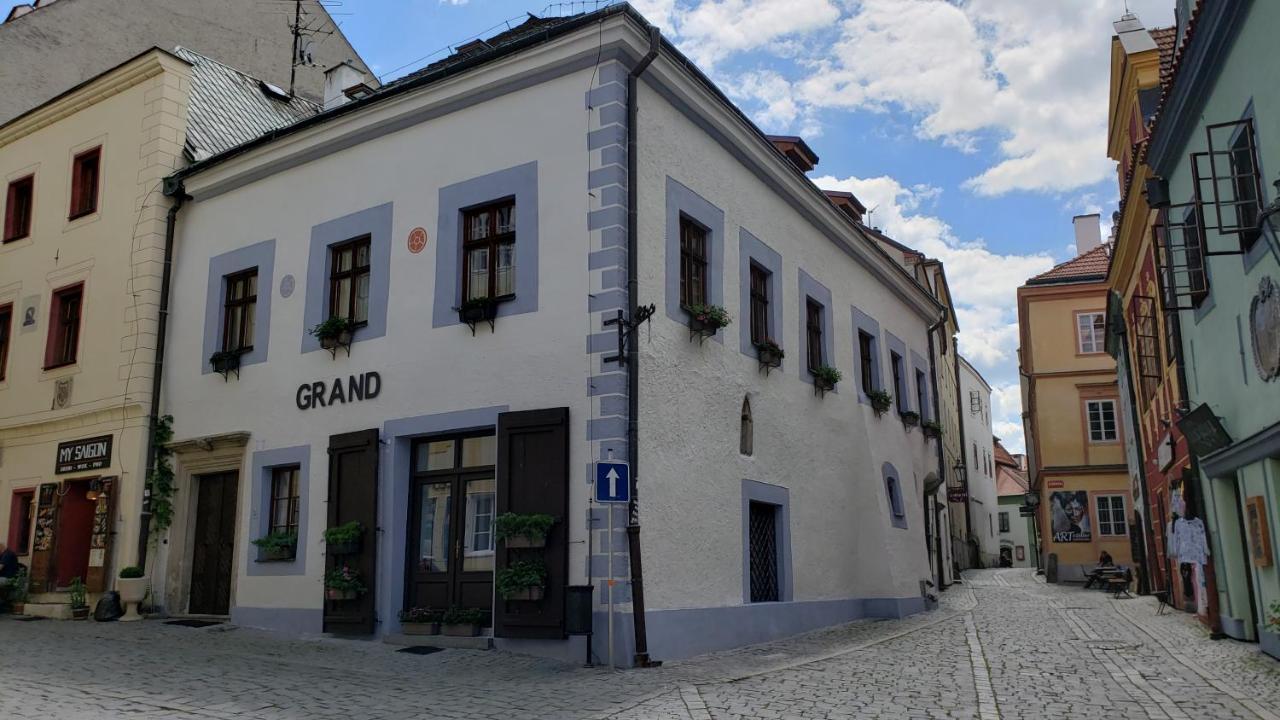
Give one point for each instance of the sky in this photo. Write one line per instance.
(974, 129)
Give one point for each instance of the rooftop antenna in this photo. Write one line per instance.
(302, 47)
(869, 212)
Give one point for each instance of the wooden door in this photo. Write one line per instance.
(213, 552)
(353, 495)
(75, 525)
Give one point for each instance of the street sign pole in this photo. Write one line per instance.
(612, 487)
(609, 510)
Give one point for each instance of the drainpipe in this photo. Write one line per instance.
(1135, 424)
(942, 464)
(175, 191)
(641, 658)
(964, 458)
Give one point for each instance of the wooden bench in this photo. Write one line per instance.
(1118, 584)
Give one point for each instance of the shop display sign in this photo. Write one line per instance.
(1069, 514)
(80, 455)
(1204, 433)
(355, 388)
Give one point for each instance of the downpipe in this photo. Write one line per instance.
(942, 469)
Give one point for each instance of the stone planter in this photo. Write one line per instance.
(468, 630)
(420, 628)
(1270, 642)
(336, 594)
(524, 541)
(132, 591)
(531, 593)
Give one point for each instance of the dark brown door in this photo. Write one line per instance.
(353, 496)
(213, 553)
(452, 504)
(75, 525)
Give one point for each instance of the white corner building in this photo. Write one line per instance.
(978, 452)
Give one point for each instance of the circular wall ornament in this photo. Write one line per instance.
(417, 240)
(286, 286)
(1264, 329)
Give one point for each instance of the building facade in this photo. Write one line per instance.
(1017, 531)
(486, 372)
(980, 465)
(1213, 152)
(1072, 412)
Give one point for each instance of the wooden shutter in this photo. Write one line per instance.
(353, 495)
(98, 576)
(533, 477)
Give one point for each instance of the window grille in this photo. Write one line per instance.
(1142, 316)
(1180, 257)
(1234, 184)
(763, 540)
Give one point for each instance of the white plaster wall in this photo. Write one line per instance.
(827, 451)
(534, 360)
(982, 467)
(1019, 533)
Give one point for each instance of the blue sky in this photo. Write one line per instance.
(975, 128)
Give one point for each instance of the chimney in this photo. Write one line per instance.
(799, 153)
(1088, 232)
(847, 203)
(340, 82)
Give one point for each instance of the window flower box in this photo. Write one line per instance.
(420, 621)
(420, 628)
(477, 310)
(337, 594)
(770, 354)
(462, 622)
(523, 531)
(343, 583)
(334, 333)
(931, 429)
(825, 378)
(225, 362)
(706, 320)
(277, 547)
(522, 580)
(344, 539)
(910, 418)
(881, 401)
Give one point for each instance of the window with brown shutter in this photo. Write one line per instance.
(866, 361)
(64, 328)
(489, 251)
(895, 364)
(6, 320)
(19, 202)
(239, 311)
(84, 183)
(759, 305)
(813, 334)
(349, 281)
(693, 263)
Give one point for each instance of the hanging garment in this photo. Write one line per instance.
(1193, 548)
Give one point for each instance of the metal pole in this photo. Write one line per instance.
(609, 582)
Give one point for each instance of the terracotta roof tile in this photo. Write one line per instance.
(1010, 481)
(1092, 265)
(1167, 41)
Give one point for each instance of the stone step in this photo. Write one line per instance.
(49, 597)
(55, 611)
(483, 642)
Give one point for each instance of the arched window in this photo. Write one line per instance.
(893, 493)
(746, 441)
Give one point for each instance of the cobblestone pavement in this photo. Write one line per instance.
(1003, 645)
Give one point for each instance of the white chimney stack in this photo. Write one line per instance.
(337, 80)
(1088, 232)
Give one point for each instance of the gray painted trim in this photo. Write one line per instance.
(261, 465)
(374, 222)
(393, 496)
(893, 494)
(810, 288)
(901, 396)
(752, 249)
(683, 201)
(520, 182)
(869, 325)
(753, 491)
(1259, 446)
(262, 256)
(294, 621)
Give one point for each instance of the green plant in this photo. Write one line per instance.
(77, 594)
(421, 615)
(331, 328)
(519, 576)
(910, 417)
(160, 485)
(881, 401)
(344, 533)
(771, 345)
(535, 526)
(932, 427)
(223, 358)
(278, 540)
(132, 572)
(712, 316)
(827, 375)
(344, 578)
(1273, 620)
(18, 587)
(462, 616)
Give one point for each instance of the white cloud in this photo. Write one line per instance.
(983, 283)
(712, 30)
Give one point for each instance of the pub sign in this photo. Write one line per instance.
(87, 454)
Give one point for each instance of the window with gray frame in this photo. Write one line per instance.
(284, 500)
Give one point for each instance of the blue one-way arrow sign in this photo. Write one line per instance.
(613, 482)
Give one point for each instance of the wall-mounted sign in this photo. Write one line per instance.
(1257, 530)
(80, 455)
(1264, 329)
(339, 392)
(1204, 433)
(286, 286)
(1164, 452)
(417, 240)
(30, 309)
(1069, 516)
(957, 495)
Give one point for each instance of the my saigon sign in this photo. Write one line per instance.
(80, 455)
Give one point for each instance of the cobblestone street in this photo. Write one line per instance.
(1003, 645)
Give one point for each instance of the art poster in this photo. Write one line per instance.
(1069, 515)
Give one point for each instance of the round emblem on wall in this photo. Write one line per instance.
(417, 240)
(1264, 329)
(286, 286)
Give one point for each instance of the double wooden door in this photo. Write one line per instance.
(213, 551)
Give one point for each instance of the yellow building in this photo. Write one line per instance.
(82, 264)
(1072, 411)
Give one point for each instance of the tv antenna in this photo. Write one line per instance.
(303, 32)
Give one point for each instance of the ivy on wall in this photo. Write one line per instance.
(160, 485)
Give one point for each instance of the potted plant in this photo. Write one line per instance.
(79, 604)
(881, 401)
(132, 586)
(277, 546)
(18, 592)
(344, 539)
(333, 333)
(770, 353)
(705, 320)
(420, 621)
(225, 362)
(932, 429)
(476, 310)
(910, 418)
(1270, 638)
(343, 583)
(461, 622)
(826, 377)
(523, 531)
(522, 580)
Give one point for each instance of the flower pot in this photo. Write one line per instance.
(910, 419)
(530, 593)
(18, 608)
(350, 547)
(336, 594)
(276, 554)
(132, 591)
(224, 364)
(80, 613)
(478, 313)
(467, 630)
(420, 628)
(702, 327)
(823, 384)
(1270, 642)
(769, 357)
(524, 541)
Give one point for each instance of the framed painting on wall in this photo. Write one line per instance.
(1255, 510)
